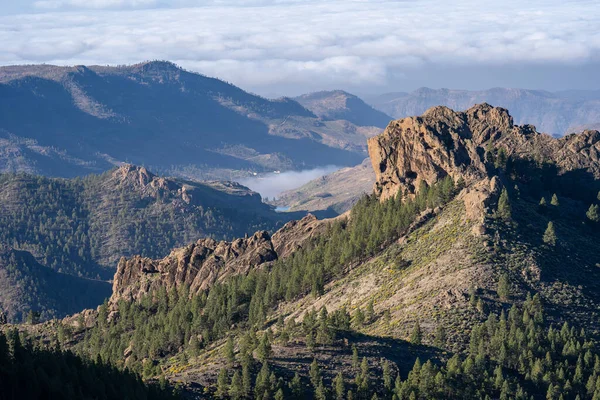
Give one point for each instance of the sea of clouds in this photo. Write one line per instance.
(310, 44)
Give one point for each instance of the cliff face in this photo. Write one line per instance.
(443, 142)
(201, 264)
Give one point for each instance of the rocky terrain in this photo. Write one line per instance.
(89, 119)
(200, 265)
(473, 219)
(446, 143)
(556, 113)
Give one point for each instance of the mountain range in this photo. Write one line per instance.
(556, 113)
(89, 119)
(76, 230)
(471, 271)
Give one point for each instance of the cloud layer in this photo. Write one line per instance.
(328, 43)
(272, 185)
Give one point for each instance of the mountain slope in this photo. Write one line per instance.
(454, 252)
(25, 286)
(80, 228)
(88, 119)
(83, 226)
(336, 192)
(556, 113)
(337, 104)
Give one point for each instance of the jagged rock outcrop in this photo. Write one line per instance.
(197, 266)
(443, 142)
(293, 234)
(201, 264)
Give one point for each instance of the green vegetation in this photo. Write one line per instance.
(514, 355)
(162, 322)
(32, 292)
(82, 226)
(504, 287)
(504, 210)
(550, 235)
(28, 372)
(593, 214)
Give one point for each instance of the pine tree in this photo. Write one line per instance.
(370, 312)
(363, 386)
(264, 350)
(503, 287)
(387, 376)
(315, 374)
(355, 359)
(222, 383)
(593, 214)
(543, 202)
(236, 390)
(279, 395)
(387, 317)
(416, 335)
(310, 340)
(504, 209)
(246, 374)
(440, 336)
(554, 200)
(501, 159)
(262, 385)
(359, 318)
(550, 235)
(228, 350)
(338, 383)
(320, 392)
(296, 387)
(480, 306)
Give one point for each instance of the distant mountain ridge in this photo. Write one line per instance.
(68, 121)
(555, 113)
(84, 226)
(25, 286)
(340, 105)
(73, 232)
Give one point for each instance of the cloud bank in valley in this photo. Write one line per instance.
(272, 184)
(265, 45)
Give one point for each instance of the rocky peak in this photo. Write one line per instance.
(140, 178)
(443, 142)
(293, 234)
(199, 265)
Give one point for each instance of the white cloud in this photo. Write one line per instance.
(93, 4)
(273, 184)
(261, 43)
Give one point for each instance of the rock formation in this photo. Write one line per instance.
(199, 265)
(443, 142)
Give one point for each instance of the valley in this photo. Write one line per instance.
(453, 279)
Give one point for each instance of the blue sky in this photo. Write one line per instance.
(289, 47)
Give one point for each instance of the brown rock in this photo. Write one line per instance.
(293, 234)
(198, 266)
(444, 143)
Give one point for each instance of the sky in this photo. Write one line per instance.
(289, 47)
